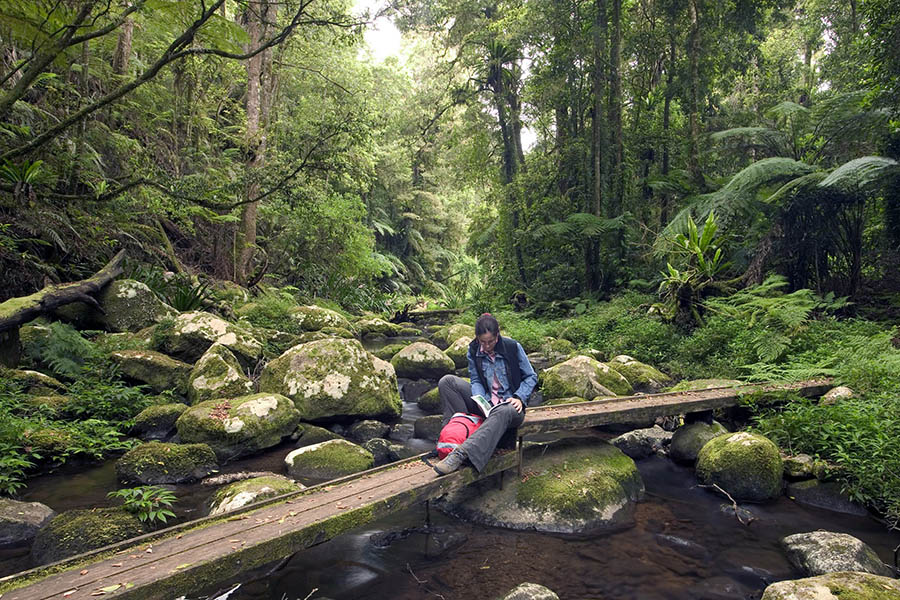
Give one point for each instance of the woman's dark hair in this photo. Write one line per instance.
(486, 323)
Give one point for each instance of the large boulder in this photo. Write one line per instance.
(314, 318)
(641, 443)
(77, 531)
(448, 334)
(157, 463)
(20, 521)
(387, 352)
(584, 377)
(307, 435)
(422, 360)
(191, 334)
(572, 486)
(239, 426)
(241, 493)
(129, 305)
(820, 552)
(157, 422)
(334, 378)
(157, 370)
(367, 429)
(458, 352)
(530, 591)
(642, 377)
(428, 428)
(328, 460)
(33, 382)
(824, 494)
(217, 374)
(689, 439)
(746, 465)
(373, 326)
(846, 585)
(430, 401)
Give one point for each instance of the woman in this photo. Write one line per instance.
(500, 372)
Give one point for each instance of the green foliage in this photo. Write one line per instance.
(271, 309)
(105, 398)
(13, 465)
(149, 502)
(63, 350)
(178, 290)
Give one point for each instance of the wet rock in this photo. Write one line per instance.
(799, 466)
(239, 426)
(20, 521)
(642, 377)
(641, 443)
(683, 546)
(157, 370)
(402, 432)
(827, 495)
(458, 352)
(689, 439)
(741, 513)
(130, 305)
(313, 434)
(428, 428)
(158, 421)
(834, 395)
(217, 374)
(328, 460)
(363, 431)
(226, 478)
(334, 378)
(446, 335)
(746, 465)
(583, 377)
(76, 531)
(370, 326)
(703, 384)
(421, 360)
(157, 463)
(193, 333)
(430, 401)
(412, 390)
(385, 452)
(835, 586)
(239, 494)
(820, 552)
(530, 591)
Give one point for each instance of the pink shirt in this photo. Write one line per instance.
(495, 385)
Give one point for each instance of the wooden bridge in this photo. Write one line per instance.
(205, 552)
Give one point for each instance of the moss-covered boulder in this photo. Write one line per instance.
(641, 376)
(422, 360)
(334, 378)
(458, 352)
(688, 439)
(572, 486)
(129, 305)
(584, 377)
(367, 429)
(315, 318)
(47, 441)
(241, 493)
(157, 463)
(430, 401)
(846, 585)
(56, 404)
(641, 443)
(217, 374)
(530, 591)
(820, 552)
(33, 382)
(384, 451)
(20, 521)
(191, 334)
(108, 343)
(158, 421)
(328, 460)
(373, 326)
(387, 352)
(157, 370)
(746, 465)
(428, 428)
(77, 531)
(689, 385)
(239, 426)
(448, 334)
(307, 435)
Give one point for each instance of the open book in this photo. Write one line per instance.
(484, 405)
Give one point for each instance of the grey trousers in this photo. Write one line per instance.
(456, 396)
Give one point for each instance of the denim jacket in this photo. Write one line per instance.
(499, 367)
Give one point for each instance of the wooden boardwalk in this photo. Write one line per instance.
(203, 553)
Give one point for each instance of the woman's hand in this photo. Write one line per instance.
(517, 404)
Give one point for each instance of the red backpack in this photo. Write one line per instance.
(455, 432)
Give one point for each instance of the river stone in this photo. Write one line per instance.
(363, 431)
(217, 374)
(428, 428)
(846, 585)
(156, 463)
(384, 451)
(193, 333)
(572, 486)
(388, 352)
(402, 432)
(421, 360)
(315, 318)
(129, 305)
(241, 493)
(642, 377)
(799, 466)
(33, 382)
(448, 334)
(827, 495)
(20, 521)
(328, 460)
(703, 384)
(746, 465)
(583, 377)
(836, 394)
(458, 352)
(430, 401)
(820, 552)
(157, 422)
(334, 378)
(239, 426)
(157, 370)
(689, 439)
(530, 591)
(77, 531)
(313, 434)
(641, 443)
(47, 441)
(375, 326)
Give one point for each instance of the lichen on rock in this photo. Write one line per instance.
(157, 370)
(746, 465)
(157, 463)
(641, 376)
(458, 352)
(191, 334)
(846, 585)
(448, 334)
(820, 552)
(241, 493)
(369, 326)
(328, 460)
(422, 360)
(217, 374)
(130, 305)
(584, 377)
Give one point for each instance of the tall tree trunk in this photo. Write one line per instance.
(616, 144)
(122, 54)
(75, 173)
(665, 199)
(599, 137)
(694, 94)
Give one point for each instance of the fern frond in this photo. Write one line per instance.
(766, 172)
(861, 173)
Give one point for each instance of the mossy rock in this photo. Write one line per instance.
(428, 428)
(430, 401)
(388, 352)
(77, 531)
(384, 451)
(799, 466)
(239, 426)
(458, 352)
(846, 585)
(552, 345)
(191, 334)
(448, 334)
(156, 463)
(410, 331)
(33, 382)
(224, 290)
(157, 370)
(690, 385)
(55, 404)
(339, 332)
(367, 429)
(642, 377)
(584, 377)
(313, 434)
(334, 378)
(371, 326)
(47, 442)
(328, 460)
(157, 422)
(572, 486)
(422, 360)
(689, 439)
(113, 342)
(217, 374)
(819, 552)
(316, 318)
(20, 521)
(129, 305)
(241, 493)
(746, 465)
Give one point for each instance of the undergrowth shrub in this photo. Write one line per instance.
(271, 310)
(63, 350)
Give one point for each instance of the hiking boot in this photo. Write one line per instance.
(451, 462)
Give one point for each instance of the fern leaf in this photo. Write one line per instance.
(861, 173)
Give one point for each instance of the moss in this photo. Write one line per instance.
(375, 326)
(747, 466)
(217, 374)
(327, 460)
(77, 531)
(422, 360)
(448, 334)
(154, 368)
(159, 416)
(430, 401)
(241, 493)
(703, 384)
(388, 352)
(47, 442)
(585, 377)
(313, 434)
(844, 585)
(157, 463)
